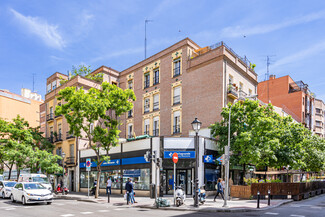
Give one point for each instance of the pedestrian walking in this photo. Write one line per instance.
(223, 183)
(132, 195)
(219, 190)
(109, 186)
(128, 190)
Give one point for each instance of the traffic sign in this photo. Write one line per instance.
(208, 159)
(220, 159)
(175, 158)
(88, 164)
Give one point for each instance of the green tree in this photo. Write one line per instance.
(96, 113)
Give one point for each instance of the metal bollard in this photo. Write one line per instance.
(108, 198)
(269, 197)
(258, 199)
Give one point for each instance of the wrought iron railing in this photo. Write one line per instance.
(155, 132)
(69, 135)
(176, 129)
(49, 117)
(155, 106)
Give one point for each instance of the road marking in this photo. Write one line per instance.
(118, 209)
(67, 215)
(10, 208)
(297, 215)
(271, 213)
(316, 207)
(86, 213)
(103, 210)
(27, 207)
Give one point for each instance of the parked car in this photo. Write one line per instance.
(31, 192)
(5, 188)
(35, 177)
(2, 178)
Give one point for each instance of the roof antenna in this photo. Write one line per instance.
(145, 37)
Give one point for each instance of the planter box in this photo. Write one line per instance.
(241, 191)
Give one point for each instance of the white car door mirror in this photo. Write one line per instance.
(20, 189)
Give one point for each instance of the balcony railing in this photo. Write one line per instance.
(146, 109)
(242, 94)
(56, 116)
(176, 99)
(50, 117)
(58, 138)
(155, 132)
(176, 129)
(146, 84)
(69, 135)
(232, 92)
(50, 139)
(155, 106)
(70, 161)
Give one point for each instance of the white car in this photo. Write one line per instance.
(30, 192)
(1, 178)
(5, 188)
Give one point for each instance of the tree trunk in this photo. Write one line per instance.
(98, 180)
(18, 173)
(10, 169)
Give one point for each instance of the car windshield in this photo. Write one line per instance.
(41, 180)
(10, 184)
(33, 186)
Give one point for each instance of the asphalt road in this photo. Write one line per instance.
(313, 207)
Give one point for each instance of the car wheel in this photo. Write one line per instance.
(12, 198)
(23, 201)
(49, 203)
(3, 195)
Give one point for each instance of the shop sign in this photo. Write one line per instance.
(208, 159)
(114, 162)
(181, 154)
(134, 160)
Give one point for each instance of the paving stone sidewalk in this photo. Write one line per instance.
(234, 205)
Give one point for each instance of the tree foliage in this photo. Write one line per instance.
(94, 114)
(261, 137)
(24, 147)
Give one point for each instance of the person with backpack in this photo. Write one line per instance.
(219, 190)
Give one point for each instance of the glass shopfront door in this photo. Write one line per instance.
(183, 179)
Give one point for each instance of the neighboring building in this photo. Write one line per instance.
(56, 127)
(182, 82)
(319, 127)
(31, 95)
(293, 97)
(12, 104)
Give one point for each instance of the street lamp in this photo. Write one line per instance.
(196, 125)
(227, 148)
(63, 156)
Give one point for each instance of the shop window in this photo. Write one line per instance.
(140, 178)
(176, 120)
(177, 95)
(146, 105)
(177, 67)
(155, 126)
(155, 102)
(156, 76)
(146, 80)
(211, 177)
(146, 127)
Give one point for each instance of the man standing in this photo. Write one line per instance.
(128, 189)
(109, 186)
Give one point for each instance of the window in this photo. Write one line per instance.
(231, 79)
(59, 132)
(146, 105)
(155, 126)
(303, 100)
(177, 67)
(53, 85)
(146, 126)
(155, 102)
(130, 113)
(318, 123)
(140, 178)
(318, 111)
(72, 150)
(240, 86)
(176, 120)
(130, 130)
(156, 76)
(130, 83)
(48, 88)
(177, 95)
(147, 80)
(51, 111)
(51, 132)
(250, 92)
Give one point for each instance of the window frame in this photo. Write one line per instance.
(178, 68)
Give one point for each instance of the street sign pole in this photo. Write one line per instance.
(175, 160)
(88, 168)
(88, 184)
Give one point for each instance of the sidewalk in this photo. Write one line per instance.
(234, 205)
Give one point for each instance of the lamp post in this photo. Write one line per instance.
(227, 155)
(63, 156)
(196, 125)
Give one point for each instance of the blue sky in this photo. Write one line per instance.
(42, 37)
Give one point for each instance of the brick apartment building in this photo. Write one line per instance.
(319, 127)
(294, 97)
(182, 82)
(56, 128)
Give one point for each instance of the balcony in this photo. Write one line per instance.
(51, 139)
(155, 132)
(50, 117)
(156, 106)
(176, 129)
(176, 100)
(146, 84)
(232, 91)
(58, 116)
(58, 137)
(242, 95)
(146, 109)
(70, 161)
(69, 135)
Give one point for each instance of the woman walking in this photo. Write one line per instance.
(219, 190)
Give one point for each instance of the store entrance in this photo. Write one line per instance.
(183, 179)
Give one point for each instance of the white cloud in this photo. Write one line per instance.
(39, 27)
(239, 31)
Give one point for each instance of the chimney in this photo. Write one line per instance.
(272, 77)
